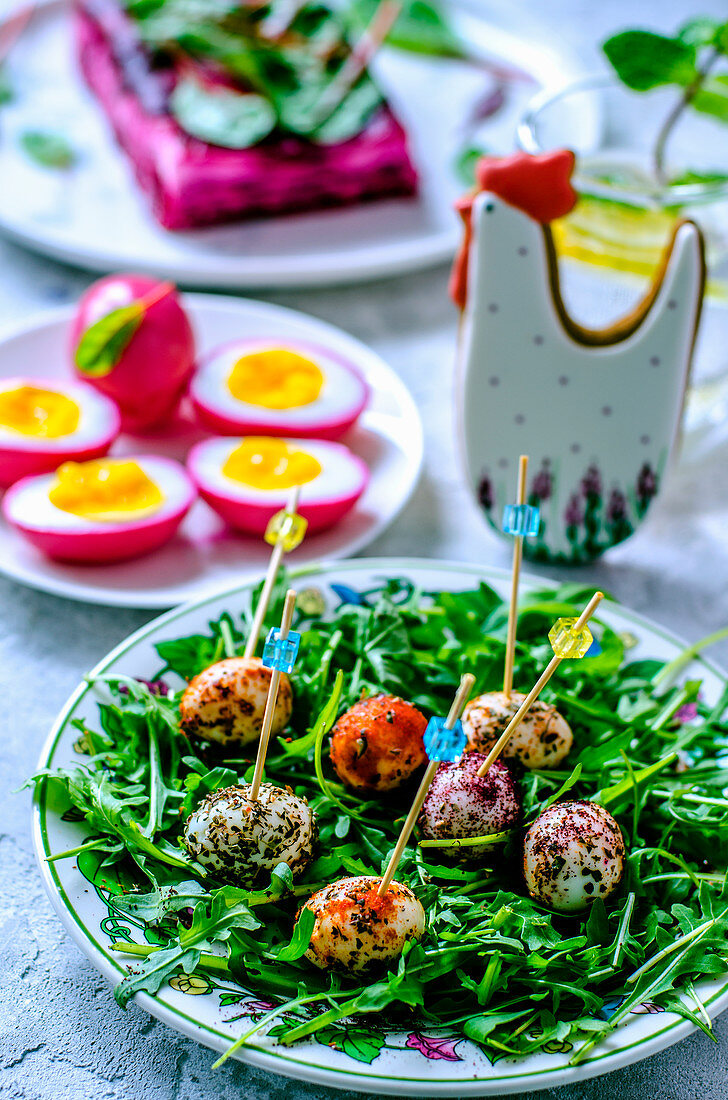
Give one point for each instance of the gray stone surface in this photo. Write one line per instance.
(61, 1034)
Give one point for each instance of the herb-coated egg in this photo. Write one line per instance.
(378, 743)
(241, 840)
(355, 930)
(225, 703)
(541, 740)
(572, 855)
(285, 388)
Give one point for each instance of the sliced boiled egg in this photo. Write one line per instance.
(273, 388)
(43, 424)
(248, 480)
(103, 510)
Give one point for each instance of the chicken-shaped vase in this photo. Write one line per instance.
(598, 412)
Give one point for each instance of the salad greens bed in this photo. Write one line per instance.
(493, 965)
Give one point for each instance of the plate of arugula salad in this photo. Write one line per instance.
(498, 993)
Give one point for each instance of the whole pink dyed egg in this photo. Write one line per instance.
(153, 368)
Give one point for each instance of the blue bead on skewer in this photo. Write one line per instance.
(521, 519)
(281, 653)
(442, 743)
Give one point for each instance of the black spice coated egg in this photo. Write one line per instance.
(573, 853)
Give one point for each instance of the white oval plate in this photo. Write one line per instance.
(206, 555)
(96, 217)
(408, 1064)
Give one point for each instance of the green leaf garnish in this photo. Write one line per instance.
(48, 149)
(221, 116)
(103, 343)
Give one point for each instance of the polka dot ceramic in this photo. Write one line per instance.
(597, 412)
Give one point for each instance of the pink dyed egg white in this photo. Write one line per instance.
(324, 500)
(98, 425)
(341, 400)
(66, 536)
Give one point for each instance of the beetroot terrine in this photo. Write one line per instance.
(193, 183)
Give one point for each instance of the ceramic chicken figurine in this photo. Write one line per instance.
(597, 411)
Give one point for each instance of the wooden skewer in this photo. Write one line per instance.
(536, 689)
(384, 18)
(270, 703)
(270, 579)
(515, 578)
(456, 709)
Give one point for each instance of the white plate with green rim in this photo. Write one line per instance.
(400, 1063)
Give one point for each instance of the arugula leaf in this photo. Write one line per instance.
(300, 939)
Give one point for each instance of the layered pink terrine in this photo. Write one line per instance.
(192, 183)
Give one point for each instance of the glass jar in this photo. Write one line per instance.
(611, 244)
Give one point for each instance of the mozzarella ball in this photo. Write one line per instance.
(377, 744)
(462, 804)
(355, 930)
(226, 702)
(573, 853)
(241, 840)
(541, 740)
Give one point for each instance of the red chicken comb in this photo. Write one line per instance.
(538, 185)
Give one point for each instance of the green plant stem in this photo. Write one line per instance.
(216, 963)
(672, 119)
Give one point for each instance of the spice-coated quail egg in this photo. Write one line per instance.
(226, 702)
(573, 853)
(377, 744)
(460, 804)
(240, 839)
(356, 930)
(541, 740)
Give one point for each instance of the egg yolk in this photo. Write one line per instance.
(44, 414)
(105, 489)
(275, 379)
(265, 463)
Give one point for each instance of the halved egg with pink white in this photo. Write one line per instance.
(43, 424)
(248, 480)
(104, 510)
(267, 387)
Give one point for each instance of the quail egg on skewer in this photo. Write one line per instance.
(356, 930)
(461, 804)
(225, 703)
(378, 744)
(241, 840)
(573, 854)
(542, 739)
